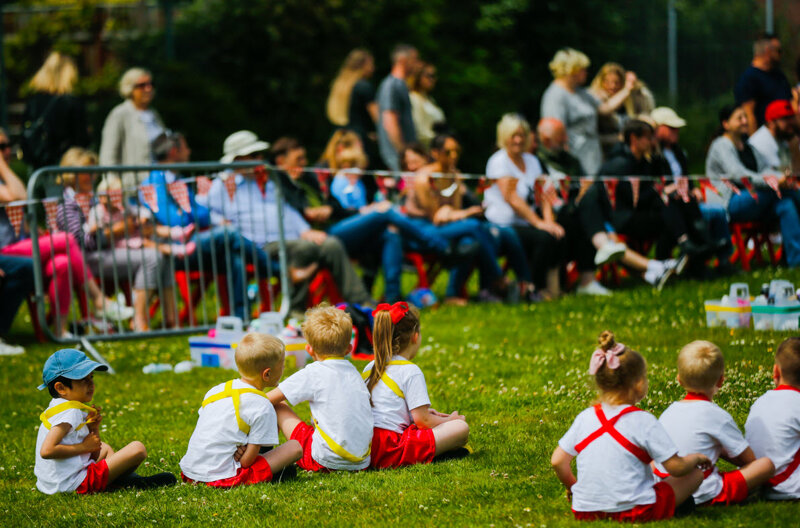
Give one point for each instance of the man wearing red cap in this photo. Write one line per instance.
(771, 140)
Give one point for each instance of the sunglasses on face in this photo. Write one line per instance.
(143, 85)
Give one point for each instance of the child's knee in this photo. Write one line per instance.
(764, 467)
(139, 450)
(462, 430)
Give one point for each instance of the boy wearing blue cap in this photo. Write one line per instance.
(69, 453)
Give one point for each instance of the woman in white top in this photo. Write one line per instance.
(424, 110)
(567, 101)
(511, 201)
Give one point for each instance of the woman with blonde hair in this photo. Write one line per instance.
(351, 102)
(622, 97)
(54, 118)
(427, 115)
(566, 100)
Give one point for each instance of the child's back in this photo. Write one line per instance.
(221, 430)
(390, 409)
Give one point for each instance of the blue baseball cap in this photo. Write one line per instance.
(69, 363)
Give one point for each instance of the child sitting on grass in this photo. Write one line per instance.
(773, 425)
(238, 413)
(339, 400)
(614, 443)
(69, 453)
(697, 424)
(407, 430)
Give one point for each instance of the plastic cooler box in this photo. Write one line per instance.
(770, 317)
(735, 314)
(218, 348)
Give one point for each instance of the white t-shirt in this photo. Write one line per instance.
(390, 411)
(610, 478)
(498, 211)
(216, 436)
(64, 474)
(339, 402)
(773, 430)
(703, 427)
(765, 143)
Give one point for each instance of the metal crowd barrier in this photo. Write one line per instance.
(114, 258)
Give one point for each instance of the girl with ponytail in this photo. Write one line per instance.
(407, 430)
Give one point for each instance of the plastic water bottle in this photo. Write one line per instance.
(183, 366)
(155, 368)
(252, 292)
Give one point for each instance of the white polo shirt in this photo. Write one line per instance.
(703, 427)
(339, 403)
(610, 478)
(216, 436)
(390, 411)
(64, 474)
(773, 430)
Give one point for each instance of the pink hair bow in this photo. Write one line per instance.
(609, 357)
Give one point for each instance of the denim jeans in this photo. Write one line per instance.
(508, 243)
(744, 208)
(17, 284)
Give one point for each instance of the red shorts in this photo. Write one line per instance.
(662, 508)
(96, 478)
(412, 446)
(259, 471)
(734, 489)
(304, 433)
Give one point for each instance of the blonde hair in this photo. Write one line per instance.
(57, 75)
(607, 69)
(352, 71)
(328, 330)
(787, 357)
(621, 380)
(129, 80)
(640, 99)
(351, 158)
(508, 126)
(344, 138)
(700, 365)
(110, 183)
(389, 339)
(567, 61)
(257, 352)
(75, 157)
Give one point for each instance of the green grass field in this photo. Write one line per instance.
(517, 372)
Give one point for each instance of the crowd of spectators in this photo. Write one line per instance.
(599, 178)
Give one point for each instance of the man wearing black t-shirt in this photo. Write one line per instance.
(762, 82)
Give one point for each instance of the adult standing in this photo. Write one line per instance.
(426, 113)
(55, 120)
(762, 82)
(510, 201)
(567, 101)
(351, 102)
(132, 126)
(395, 122)
(731, 157)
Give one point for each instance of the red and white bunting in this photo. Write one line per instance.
(180, 192)
(682, 183)
(565, 189)
(150, 198)
(15, 214)
(84, 202)
(772, 181)
(51, 212)
(203, 185)
(230, 185)
(115, 195)
(636, 185)
(732, 186)
(551, 195)
(611, 189)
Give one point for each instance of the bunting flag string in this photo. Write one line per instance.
(84, 202)
(51, 212)
(682, 183)
(203, 185)
(772, 181)
(230, 185)
(149, 196)
(635, 189)
(180, 192)
(115, 195)
(15, 214)
(611, 190)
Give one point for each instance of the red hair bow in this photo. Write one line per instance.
(397, 310)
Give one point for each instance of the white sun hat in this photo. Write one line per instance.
(241, 143)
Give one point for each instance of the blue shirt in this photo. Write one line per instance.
(350, 196)
(169, 212)
(254, 214)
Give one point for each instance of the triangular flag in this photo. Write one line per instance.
(15, 214)
(611, 189)
(84, 202)
(749, 186)
(150, 198)
(115, 195)
(180, 192)
(772, 181)
(203, 185)
(230, 185)
(682, 183)
(551, 195)
(51, 212)
(706, 185)
(732, 186)
(635, 187)
(565, 188)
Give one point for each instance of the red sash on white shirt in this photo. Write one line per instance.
(795, 463)
(608, 427)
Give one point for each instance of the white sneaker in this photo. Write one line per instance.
(114, 311)
(677, 265)
(10, 350)
(609, 252)
(593, 288)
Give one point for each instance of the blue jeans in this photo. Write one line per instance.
(17, 284)
(743, 208)
(211, 251)
(359, 233)
(508, 244)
